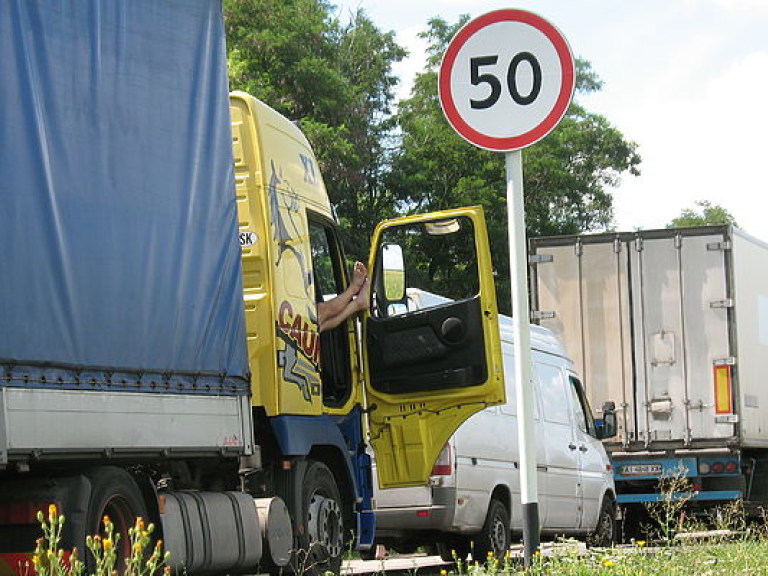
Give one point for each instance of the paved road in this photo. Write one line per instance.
(426, 565)
(407, 563)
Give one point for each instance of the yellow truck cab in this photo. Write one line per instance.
(401, 381)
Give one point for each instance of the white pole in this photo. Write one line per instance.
(518, 268)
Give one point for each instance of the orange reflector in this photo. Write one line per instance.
(723, 395)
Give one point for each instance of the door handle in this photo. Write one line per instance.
(583, 448)
(572, 446)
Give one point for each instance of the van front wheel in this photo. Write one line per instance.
(495, 538)
(605, 531)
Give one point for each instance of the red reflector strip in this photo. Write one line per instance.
(723, 395)
(22, 512)
(16, 564)
(422, 513)
(20, 564)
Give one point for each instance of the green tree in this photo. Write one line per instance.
(567, 175)
(337, 80)
(706, 213)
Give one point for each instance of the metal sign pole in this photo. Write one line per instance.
(518, 267)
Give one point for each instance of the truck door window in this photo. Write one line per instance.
(440, 265)
(581, 409)
(327, 262)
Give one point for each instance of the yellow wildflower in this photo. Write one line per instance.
(107, 544)
(640, 543)
(52, 511)
(607, 562)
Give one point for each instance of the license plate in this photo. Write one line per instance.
(640, 470)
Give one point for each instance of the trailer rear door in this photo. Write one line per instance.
(680, 336)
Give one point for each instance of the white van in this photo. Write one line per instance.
(472, 503)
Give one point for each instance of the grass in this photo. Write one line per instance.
(681, 546)
(747, 555)
(741, 548)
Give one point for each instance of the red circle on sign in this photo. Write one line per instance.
(568, 81)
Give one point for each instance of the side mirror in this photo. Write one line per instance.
(610, 427)
(393, 272)
(389, 278)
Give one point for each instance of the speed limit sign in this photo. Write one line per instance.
(506, 80)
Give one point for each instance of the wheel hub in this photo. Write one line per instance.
(498, 535)
(324, 524)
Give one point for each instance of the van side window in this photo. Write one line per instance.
(327, 262)
(510, 408)
(581, 409)
(552, 384)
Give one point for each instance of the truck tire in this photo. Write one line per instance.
(605, 533)
(319, 521)
(495, 537)
(114, 493)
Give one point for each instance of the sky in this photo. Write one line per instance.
(687, 80)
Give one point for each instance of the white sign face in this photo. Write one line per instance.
(506, 80)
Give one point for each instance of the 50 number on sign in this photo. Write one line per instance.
(476, 78)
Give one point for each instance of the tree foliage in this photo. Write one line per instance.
(567, 175)
(706, 213)
(337, 80)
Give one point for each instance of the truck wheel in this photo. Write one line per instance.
(606, 529)
(494, 539)
(321, 542)
(114, 493)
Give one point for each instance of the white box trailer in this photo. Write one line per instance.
(672, 326)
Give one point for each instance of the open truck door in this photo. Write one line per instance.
(430, 367)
